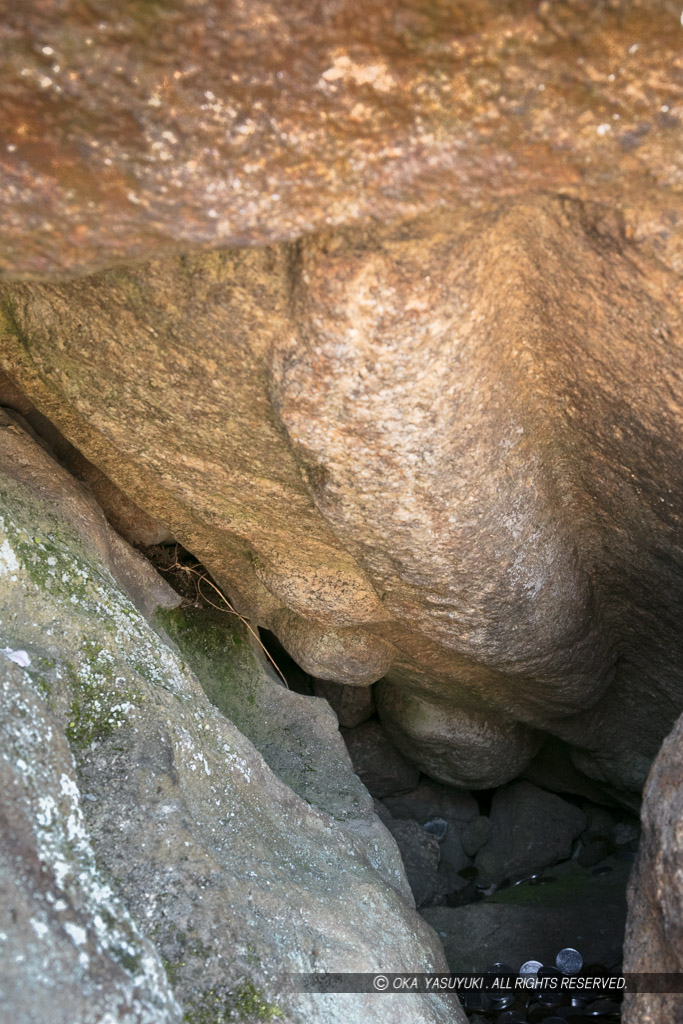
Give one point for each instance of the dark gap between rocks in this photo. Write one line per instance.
(505, 876)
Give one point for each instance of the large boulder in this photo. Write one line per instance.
(156, 865)
(654, 929)
(133, 129)
(435, 451)
(530, 829)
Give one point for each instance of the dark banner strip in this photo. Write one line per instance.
(613, 985)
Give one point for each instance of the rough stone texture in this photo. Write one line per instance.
(351, 704)
(530, 830)
(654, 930)
(476, 480)
(453, 859)
(70, 949)
(427, 801)
(126, 517)
(164, 839)
(535, 922)
(430, 800)
(140, 127)
(420, 854)
(475, 834)
(380, 766)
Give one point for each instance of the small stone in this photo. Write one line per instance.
(378, 763)
(454, 860)
(625, 832)
(351, 704)
(593, 849)
(531, 829)
(475, 834)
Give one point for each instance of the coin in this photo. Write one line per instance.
(569, 960)
(531, 967)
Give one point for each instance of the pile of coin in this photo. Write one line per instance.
(540, 996)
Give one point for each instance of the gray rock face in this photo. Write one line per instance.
(351, 704)
(421, 855)
(475, 834)
(453, 859)
(70, 949)
(166, 870)
(381, 767)
(654, 930)
(530, 829)
(455, 807)
(431, 800)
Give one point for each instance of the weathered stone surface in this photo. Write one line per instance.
(421, 855)
(475, 834)
(535, 922)
(353, 655)
(216, 869)
(126, 517)
(351, 704)
(139, 128)
(380, 766)
(476, 479)
(654, 929)
(453, 859)
(530, 830)
(70, 949)
(431, 800)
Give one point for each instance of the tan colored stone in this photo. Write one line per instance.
(135, 129)
(442, 451)
(654, 927)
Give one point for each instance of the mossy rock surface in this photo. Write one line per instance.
(166, 869)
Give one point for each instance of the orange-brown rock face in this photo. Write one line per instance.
(444, 452)
(133, 128)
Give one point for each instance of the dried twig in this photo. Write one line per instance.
(203, 577)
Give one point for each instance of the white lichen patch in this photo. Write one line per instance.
(8, 560)
(43, 782)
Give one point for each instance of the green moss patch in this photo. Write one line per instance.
(220, 1004)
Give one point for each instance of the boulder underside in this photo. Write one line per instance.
(442, 453)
